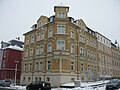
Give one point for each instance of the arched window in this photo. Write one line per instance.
(49, 47)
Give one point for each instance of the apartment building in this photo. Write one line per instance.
(104, 55)
(115, 53)
(60, 49)
(55, 50)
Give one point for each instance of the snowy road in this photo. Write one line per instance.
(87, 86)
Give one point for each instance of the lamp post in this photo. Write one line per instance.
(16, 70)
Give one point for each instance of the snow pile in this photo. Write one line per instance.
(84, 84)
(18, 87)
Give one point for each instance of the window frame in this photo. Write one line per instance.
(62, 45)
(61, 29)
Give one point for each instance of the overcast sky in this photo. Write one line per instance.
(17, 16)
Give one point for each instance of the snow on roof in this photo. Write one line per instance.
(15, 47)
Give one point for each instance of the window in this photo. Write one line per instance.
(91, 43)
(40, 66)
(82, 67)
(36, 79)
(31, 52)
(49, 65)
(95, 56)
(95, 44)
(51, 19)
(48, 79)
(32, 39)
(4, 54)
(72, 34)
(36, 66)
(72, 65)
(61, 15)
(92, 68)
(82, 39)
(49, 33)
(37, 50)
(42, 35)
(49, 47)
(91, 56)
(82, 52)
(38, 36)
(30, 66)
(87, 41)
(60, 45)
(23, 79)
(72, 48)
(61, 29)
(41, 49)
(27, 41)
(41, 23)
(28, 79)
(39, 78)
(25, 67)
(26, 53)
(3, 64)
(88, 54)
(88, 68)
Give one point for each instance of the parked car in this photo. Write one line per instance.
(1, 82)
(38, 85)
(5, 83)
(113, 84)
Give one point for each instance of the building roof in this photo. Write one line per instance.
(14, 48)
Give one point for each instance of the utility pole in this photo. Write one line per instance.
(16, 71)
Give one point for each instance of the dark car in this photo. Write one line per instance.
(113, 84)
(38, 85)
(5, 83)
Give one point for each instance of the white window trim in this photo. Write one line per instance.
(38, 36)
(72, 48)
(42, 36)
(37, 50)
(60, 45)
(61, 14)
(36, 66)
(48, 65)
(49, 35)
(41, 52)
(72, 34)
(48, 47)
(61, 30)
(31, 52)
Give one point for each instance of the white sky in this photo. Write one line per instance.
(17, 16)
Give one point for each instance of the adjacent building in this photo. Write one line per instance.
(60, 49)
(104, 55)
(10, 60)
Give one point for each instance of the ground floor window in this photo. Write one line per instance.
(39, 78)
(72, 79)
(48, 79)
(28, 79)
(82, 78)
(23, 79)
(36, 79)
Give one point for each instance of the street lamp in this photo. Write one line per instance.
(16, 70)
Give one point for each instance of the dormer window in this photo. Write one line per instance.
(51, 19)
(61, 15)
(41, 23)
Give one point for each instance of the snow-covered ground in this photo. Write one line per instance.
(85, 86)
